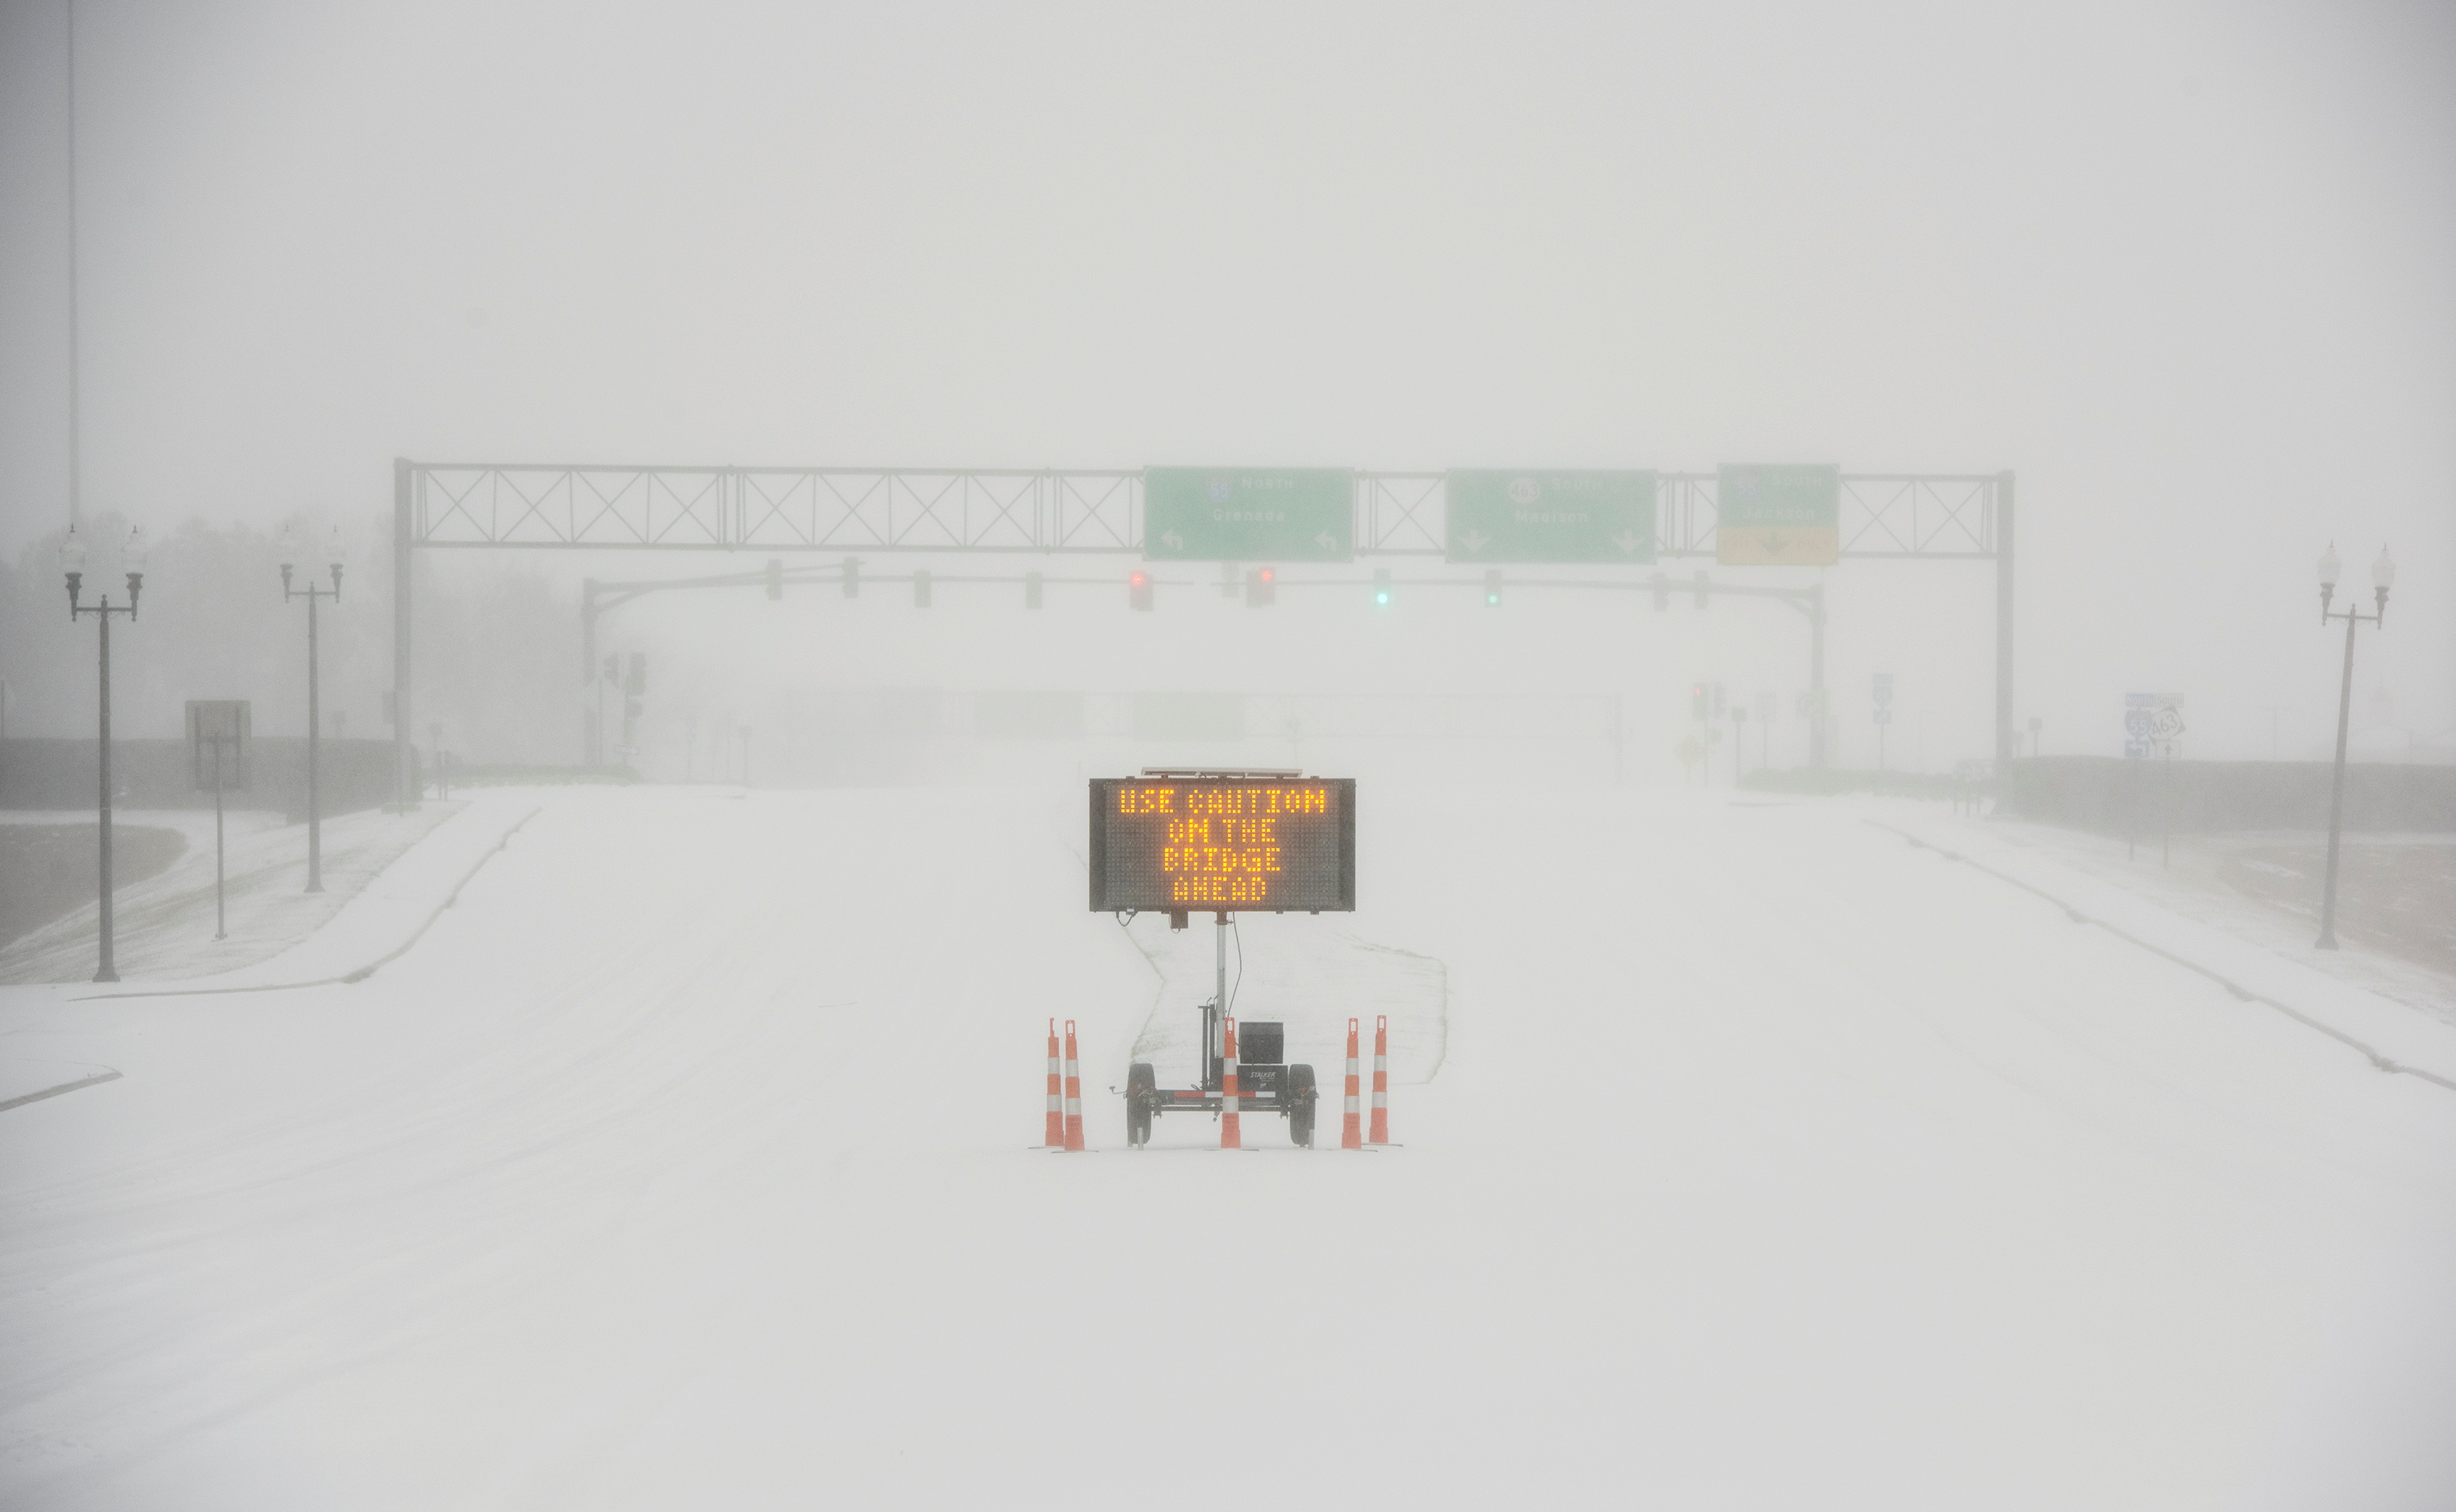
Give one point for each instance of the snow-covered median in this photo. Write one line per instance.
(381, 873)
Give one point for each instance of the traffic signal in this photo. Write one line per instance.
(614, 669)
(1662, 592)
(853, 578)
(1492, 587)
(775, 577)
(1697, 708)
(1261, 587)
(1138, 589)
(636, 682)
(1031, 582)
(1380, 588)
(921, 588)
(1704, 593)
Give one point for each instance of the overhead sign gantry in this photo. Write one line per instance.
(1739, 516)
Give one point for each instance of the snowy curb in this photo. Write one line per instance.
(2379, 1058)
(359, 974)
(94, 1080)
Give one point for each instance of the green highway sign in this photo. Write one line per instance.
(1777, 515)
(1529, 515)
(1248, 514)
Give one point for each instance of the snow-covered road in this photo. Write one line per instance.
(1771, 1162)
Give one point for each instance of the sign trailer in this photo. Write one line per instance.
(1222, 842)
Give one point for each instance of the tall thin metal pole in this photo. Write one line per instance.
(1220, 938)
(315, 718)
(2336, 786)
(1816, 677)
(404, 703)
(221, 920)
(76, 433)
(2004, 561)
(590, 707)
(2166, 808)
(107, 972)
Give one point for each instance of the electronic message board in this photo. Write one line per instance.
(1224, 844)
(1248, 514)
(1557, 516)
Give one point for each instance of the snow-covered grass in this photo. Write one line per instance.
(163, 926)
(1770, 1162)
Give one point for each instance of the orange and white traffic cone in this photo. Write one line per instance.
(1380, 1134)
(1350, 1135)
(1054, 1136)
(1074, 1093)
(1230, 1135)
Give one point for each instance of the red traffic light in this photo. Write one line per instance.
(1138, 589)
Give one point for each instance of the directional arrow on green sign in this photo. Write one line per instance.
(1768, 515)
(1551, 516)
(1248, 514)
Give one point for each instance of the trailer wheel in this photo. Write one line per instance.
(1301, 1104)
(1140, 1087)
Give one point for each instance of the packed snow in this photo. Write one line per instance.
(1768, 1160)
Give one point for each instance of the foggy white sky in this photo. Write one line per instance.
(2189, 271)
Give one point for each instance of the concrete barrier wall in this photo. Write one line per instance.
(353, 774)
(2113, 796)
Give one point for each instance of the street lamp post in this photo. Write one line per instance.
(2383, 577)
(132, 561)
(311, 593)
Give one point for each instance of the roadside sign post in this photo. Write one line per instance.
(222, 727)
(2167, 806)
(2153, 725)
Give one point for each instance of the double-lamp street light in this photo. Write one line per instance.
(132, 561)
(331, 557)
(2383, 577)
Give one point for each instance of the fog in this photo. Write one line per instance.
(2184, 271)
(651, 1096)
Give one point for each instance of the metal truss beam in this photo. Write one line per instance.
(786, 510)
(1050, 511)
